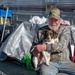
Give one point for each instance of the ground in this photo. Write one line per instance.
(10, 68)
(13, 68)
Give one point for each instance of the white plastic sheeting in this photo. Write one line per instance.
(38, 20)
(72, 43)
(20, 41)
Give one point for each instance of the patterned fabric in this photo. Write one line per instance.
(55, 13)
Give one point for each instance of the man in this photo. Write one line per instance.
(60, 61)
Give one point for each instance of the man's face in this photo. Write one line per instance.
(54, 24)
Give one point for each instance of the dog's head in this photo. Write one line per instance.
(48, 35)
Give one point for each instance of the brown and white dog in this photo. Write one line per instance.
(48, 38)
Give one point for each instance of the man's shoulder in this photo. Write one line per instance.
(65, 27)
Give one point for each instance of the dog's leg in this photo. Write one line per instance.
(46, 57)
(35, 62)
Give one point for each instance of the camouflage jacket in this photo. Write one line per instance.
(64, 40)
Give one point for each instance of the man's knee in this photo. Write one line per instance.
(47, 70)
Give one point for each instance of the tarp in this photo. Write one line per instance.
(3, 13)
(19, 42)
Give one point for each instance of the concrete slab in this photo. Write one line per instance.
(10, 68)
(14, 68)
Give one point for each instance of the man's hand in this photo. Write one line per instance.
(38, 48)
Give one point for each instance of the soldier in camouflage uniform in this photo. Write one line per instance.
(60, 61)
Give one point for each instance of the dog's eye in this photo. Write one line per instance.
(50, 34)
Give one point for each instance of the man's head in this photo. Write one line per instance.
(54, 19)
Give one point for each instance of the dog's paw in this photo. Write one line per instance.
(47, 63)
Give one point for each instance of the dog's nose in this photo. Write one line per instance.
(49, 37)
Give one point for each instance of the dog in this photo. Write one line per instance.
(48, 38)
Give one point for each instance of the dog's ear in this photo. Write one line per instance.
(44, 32)
(40, 35)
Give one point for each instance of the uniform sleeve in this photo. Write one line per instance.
(64, 39)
